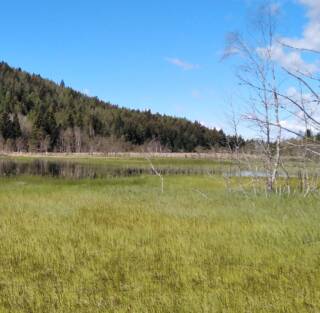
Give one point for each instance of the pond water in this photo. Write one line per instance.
(78, 170)
(247, 173)
(73, 169)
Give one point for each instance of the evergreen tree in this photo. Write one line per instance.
(16, 130)
(6, 128)
(52, 109)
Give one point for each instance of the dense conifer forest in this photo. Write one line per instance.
(38, 115)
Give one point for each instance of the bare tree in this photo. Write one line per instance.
(303, 107)
(258, 73)
(78, 139)
(156, 172)
(285, 120)
(148, 156)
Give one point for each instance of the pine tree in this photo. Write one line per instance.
(16, 130)
(6, 125)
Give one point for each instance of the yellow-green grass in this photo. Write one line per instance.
(119, 245)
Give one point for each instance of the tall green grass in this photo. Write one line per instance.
(119, 245)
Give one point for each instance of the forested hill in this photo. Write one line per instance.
(37, 114)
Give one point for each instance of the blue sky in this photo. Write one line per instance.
(158, 55)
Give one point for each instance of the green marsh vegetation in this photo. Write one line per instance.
(120, 245)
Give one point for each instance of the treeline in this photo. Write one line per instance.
(39, 115)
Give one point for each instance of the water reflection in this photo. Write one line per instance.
(76, 170)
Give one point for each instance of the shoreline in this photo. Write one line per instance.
(173, 155)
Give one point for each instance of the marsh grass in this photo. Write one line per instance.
(118, 245)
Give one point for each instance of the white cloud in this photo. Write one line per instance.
(182, 64)
(291, 60)
(210, 125)
(86, 91)
(296, 121)
(293, 127)
(311, 33)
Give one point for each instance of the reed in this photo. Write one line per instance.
(119, 245)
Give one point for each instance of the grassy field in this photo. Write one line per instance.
(119, 245)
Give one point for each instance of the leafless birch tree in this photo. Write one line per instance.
(258, 73)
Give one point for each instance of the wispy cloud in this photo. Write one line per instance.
(296, 121)
(311, 33)
(196, 94)
(293, 59)
(211, 125)
(275, 8)
(86, 91)
(182, 64)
